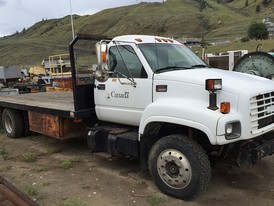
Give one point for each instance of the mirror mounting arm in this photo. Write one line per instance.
(132, 82)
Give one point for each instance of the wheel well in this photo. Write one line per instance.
(156, 130)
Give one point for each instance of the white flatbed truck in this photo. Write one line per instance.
(154, 100)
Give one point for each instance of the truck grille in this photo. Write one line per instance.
(262, 111)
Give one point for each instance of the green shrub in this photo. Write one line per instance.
(66, 164)
(155, 201)
(4, 153)
(31, 191)
(73, 202)
(245, 39)
(29, 157)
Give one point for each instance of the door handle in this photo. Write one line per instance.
(101, 86)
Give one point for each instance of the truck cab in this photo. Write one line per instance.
(133, 62)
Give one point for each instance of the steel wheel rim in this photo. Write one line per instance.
(174, 169)
(8, 123)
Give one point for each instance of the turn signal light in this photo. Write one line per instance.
(104, 56)
(225, 107)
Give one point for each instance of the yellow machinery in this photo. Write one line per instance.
(59, 65)
(54, 72)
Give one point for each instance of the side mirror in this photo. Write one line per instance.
(101, 73)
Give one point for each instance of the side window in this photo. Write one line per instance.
(123, 60)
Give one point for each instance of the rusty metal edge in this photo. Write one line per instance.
(28, 201)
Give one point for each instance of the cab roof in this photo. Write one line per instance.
(140, 39)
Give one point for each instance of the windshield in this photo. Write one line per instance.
(166, 57)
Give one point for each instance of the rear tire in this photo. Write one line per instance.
(13, 123)
(179, 166)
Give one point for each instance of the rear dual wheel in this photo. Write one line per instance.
(13, 123)
(179, 166)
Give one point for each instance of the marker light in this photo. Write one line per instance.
(158, 39)
(225, 107)
(139, 40)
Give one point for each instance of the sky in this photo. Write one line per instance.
(15, 15)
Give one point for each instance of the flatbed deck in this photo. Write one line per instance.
(57, 103)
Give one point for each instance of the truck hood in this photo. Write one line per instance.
(233, 82)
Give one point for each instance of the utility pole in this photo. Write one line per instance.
(71, 20)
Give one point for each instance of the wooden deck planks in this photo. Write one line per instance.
(50, 100)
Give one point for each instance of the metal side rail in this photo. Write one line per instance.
(10, 195)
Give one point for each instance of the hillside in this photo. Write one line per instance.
(205, 19)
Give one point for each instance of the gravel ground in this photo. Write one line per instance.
(67, 173)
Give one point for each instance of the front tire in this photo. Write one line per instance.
(12, 123)
(179, 166)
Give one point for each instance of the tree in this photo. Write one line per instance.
(257, 30)
(258, 8)
(202, 5)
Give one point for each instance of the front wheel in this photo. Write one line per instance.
(179, 166)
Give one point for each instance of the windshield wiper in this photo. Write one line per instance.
(168, 68)
(198, 66)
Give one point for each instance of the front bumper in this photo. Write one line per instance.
(247, 152)
(265, 148)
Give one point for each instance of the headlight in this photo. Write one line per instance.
(232, 130)
(229, 128)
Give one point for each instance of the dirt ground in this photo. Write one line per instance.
(58, 173)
